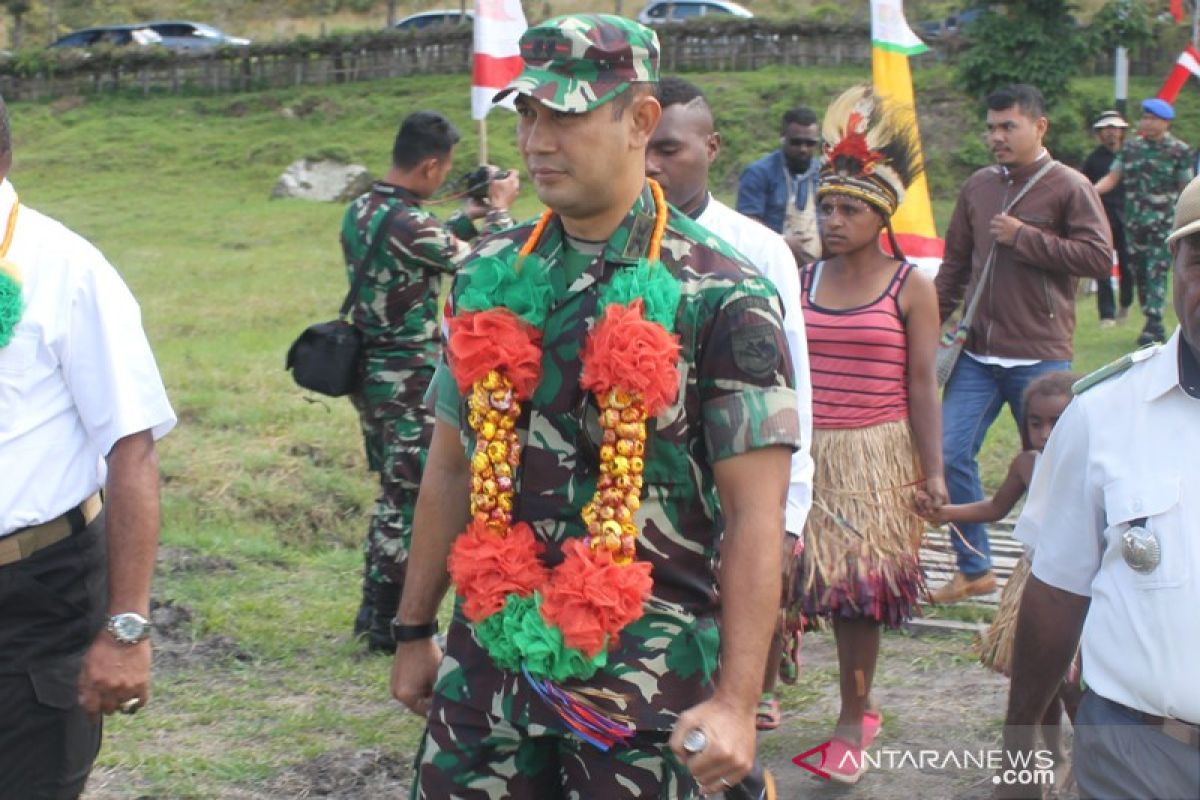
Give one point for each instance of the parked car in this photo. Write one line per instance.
(434, 19)
(953, 25)
(184, 35)
(658, 12)
(111, 35)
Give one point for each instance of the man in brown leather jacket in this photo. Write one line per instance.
(1025, 319)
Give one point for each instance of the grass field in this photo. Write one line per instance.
(265, 491)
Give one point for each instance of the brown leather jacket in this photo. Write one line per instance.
(1027, 309)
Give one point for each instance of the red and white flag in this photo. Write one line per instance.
(1187, 65)
(497, 58)
(1177, 10)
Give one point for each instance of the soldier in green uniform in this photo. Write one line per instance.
(397, 313)
(587, 112)
(1153, 168)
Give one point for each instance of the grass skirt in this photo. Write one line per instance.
(996, 644)
(863, 535)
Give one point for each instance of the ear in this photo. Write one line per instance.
(429, 168)
(713, 146)
(643, 116)
(1042, 125)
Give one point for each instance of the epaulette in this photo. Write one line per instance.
(1114, 368)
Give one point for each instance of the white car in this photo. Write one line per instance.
(658, 12)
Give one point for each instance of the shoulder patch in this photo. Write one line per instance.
(754, 350)
(1114, 368)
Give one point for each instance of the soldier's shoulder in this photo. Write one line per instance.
(1118, 371)
(702, 251)
(503, 241)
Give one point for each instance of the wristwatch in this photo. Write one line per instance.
(129, 628)
(412, 633)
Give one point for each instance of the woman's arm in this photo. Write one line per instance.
(918, 302)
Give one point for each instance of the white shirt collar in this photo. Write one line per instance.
(1162, 373)
(8, 196)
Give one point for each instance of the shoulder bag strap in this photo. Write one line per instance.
(969, 314)
(360, 271)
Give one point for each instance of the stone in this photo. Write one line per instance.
(322, 180)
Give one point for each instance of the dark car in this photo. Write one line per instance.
(110, 35)
(184, 35)
(435, 19)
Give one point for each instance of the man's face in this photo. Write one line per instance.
(1186, 288)
(1111, 137)
(680, 152)
(1014, 137)
(574, 158)
(799, 144)
(1153, 127)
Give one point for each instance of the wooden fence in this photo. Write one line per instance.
(725, 46)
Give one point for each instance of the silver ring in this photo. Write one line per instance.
(694, 741)
(131, 705)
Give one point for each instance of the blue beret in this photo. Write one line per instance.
(1159, 108)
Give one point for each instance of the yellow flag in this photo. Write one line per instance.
(892, 42)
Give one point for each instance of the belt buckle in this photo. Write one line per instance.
(1181, 731)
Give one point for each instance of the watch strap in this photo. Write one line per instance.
(412, 633)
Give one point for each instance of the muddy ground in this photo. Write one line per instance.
(934, 696)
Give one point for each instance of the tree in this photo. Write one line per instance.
(1023, 41)
(18, 9)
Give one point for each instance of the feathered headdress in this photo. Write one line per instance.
(871, 149)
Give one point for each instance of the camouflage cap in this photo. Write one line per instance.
(577, 62)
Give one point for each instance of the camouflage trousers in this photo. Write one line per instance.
(469, 755)
(1150, 262)
(396, 435)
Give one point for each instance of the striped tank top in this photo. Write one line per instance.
(858, 356)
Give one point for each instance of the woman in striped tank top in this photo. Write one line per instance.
(872, 324)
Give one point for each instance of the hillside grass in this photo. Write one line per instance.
(175, 192)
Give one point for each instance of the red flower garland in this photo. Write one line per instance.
(487, 567)
(627, 352)
(496, 339)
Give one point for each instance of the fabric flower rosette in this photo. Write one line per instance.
(556, 625)
(11, 302)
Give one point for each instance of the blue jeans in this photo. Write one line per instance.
(971, 402)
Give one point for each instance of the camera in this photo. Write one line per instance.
(479, 179)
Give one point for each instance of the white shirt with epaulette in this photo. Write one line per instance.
(1126, 454)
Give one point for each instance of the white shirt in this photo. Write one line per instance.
(769, 254)
(77, 376)
(1125, 451)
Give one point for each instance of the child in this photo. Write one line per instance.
(872, 322)
(1042, 403)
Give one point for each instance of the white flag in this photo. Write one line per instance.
(497, 58)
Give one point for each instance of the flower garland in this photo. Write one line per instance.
(559, 624)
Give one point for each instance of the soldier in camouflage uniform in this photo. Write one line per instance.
(587, 112)
(397, 314)
(1153, 168)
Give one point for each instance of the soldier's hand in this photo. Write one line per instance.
(114, 673)
(728, 755)
(1004, 228)
(414, 670)
(502, 192)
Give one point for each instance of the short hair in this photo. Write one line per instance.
(800, 115)
(1024, 97)
(625, 99)
(422, 135)
(672, 91)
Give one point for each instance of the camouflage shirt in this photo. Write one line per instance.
(397, 307)
(736, 396)
(1152, 174)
